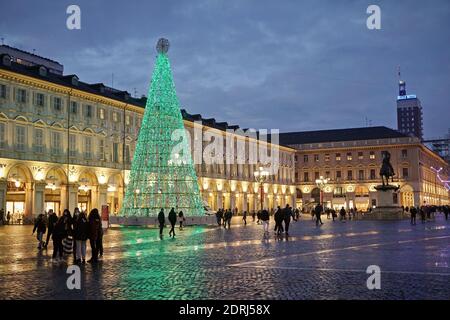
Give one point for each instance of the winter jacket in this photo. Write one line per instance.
(81, 229)
(94, 228)
(39, 226)
(172, 216)
(161, 218)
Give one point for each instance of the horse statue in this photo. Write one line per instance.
(386, 171)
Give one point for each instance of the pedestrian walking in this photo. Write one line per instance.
(40, 227)
(8, 217)
(318, 212)
(51, 222)
(265, 220)
(287, 218)
(413, 213)
(446, 210)
(244, 217)
(253, 215)
(422, 214)
(333, 214)
(342, 213)
(94, 229)
(228, 216)
(173, 220)
(80, 234)
(181, 219)
(2, 216)
(161, 221)
(279, 217)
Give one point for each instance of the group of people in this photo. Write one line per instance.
(172, 217)
(224, 217)
(283, 215)
(426, 212)
(9, 218)
(70, 234)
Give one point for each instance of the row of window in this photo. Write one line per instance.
(20, 143)
(57, 104)
(349, 156)
(361, 175)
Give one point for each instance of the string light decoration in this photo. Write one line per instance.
(446, 183)
(160, 177)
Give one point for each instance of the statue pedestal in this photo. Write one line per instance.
(387, 205)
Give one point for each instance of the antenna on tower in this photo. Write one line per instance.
(399, 73)
(112, 80)
(135, 92)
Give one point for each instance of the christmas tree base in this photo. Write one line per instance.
(153, 221)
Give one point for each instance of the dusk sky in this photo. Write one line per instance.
(291, 65)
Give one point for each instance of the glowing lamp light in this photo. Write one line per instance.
(137, 191)
(102, 179)
(40, 175)
(17, 183)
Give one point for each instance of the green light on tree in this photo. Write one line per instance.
(160, 177)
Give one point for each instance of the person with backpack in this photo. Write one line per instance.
(40, 227)
(173, 220)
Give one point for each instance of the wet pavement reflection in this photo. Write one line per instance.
(205, 262)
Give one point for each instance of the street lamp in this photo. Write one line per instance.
(321, 184)
(261, 175)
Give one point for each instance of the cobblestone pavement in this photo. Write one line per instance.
(328, 262)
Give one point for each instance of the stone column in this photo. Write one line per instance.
(244, 202)
(99, 197)
(3, 190)
(39, 198)
(232, 200)
(29, 190)
(69, 197)
(219, 196)
(120, 196)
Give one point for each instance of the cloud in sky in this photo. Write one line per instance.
(292, 65)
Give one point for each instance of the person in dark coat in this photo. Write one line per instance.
(265, 220)
(279, 217)
(162, 221)
(80, 234)
(333, 214)
(95, 225)
(51, 222)
(287, 218)
(244, 217)
(318, 212)
(228, 216)
(173, 220)
(342, 213)
(57, 236)
(413, 213)
(446, 210)
(40, 227)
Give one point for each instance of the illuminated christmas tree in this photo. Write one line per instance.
(162, 174)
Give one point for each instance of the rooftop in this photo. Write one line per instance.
(338, 135)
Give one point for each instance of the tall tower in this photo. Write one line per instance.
(409, 112)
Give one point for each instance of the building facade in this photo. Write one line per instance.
(351, 160)
(65, 144)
